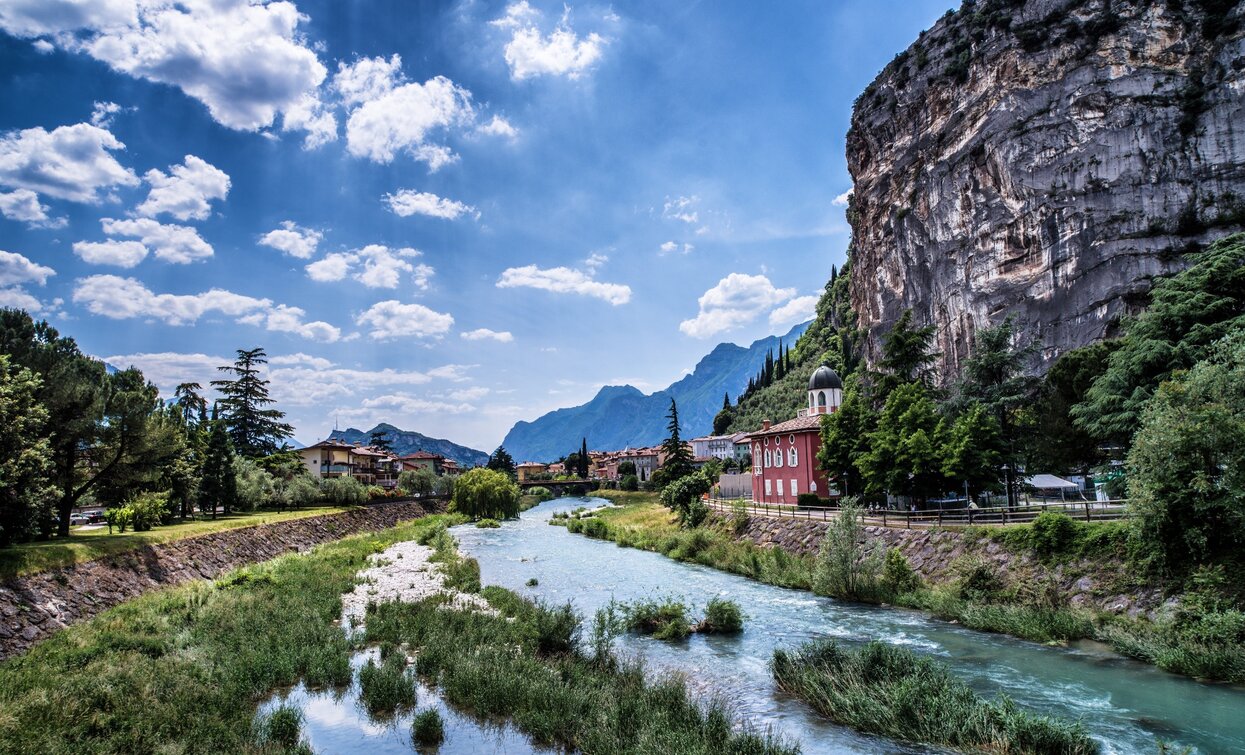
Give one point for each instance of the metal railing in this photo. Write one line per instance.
(998, 516)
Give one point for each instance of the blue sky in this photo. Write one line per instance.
(448, 216)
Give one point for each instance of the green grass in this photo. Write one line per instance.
(722, 617)
(665, 619)
(427, 728)
(86, 545)
(386, 687)
(891, 691)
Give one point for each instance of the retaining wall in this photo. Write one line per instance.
(35, 606)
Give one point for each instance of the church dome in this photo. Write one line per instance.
(824, 378)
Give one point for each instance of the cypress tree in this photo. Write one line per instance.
(583, 459)
(726, 401)
(678, 458)
(219, 486)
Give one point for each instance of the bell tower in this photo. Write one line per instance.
(825, 391)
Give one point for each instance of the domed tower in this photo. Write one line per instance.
(825, 391)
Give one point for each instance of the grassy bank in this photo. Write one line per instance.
(182, 670)
(1206, 645)
(888, 690)
(88, 544)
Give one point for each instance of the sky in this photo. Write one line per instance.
(447, 216)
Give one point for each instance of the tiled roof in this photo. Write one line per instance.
(799, 424)
(421, 455)
(329, 444)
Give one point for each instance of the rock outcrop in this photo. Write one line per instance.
(1045, 159)
(33, 607)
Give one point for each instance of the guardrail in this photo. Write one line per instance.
(1089, 511)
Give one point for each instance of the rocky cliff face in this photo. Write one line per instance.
(1045, 159)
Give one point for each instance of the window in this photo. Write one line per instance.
(794, 487)
(812, 486)
(821, 398)
(767, 440)
(793, 458)
(767, 459)
(779, 487)
(792, 439)
(778, 458)
(767, 492)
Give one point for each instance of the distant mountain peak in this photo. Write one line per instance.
(405, 442)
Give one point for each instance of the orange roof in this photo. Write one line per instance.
(797, 425)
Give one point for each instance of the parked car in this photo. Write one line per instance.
(77, 519)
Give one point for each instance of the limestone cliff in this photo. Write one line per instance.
(1046, 159)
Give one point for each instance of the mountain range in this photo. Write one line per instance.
(620, 416)
(408, 442)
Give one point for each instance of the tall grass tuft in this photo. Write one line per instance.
(281, 728)
(888, 690)
(427, 728)
(386, 687)
(722, 617)
(665, 619)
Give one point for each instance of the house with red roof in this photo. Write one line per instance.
(784, 456)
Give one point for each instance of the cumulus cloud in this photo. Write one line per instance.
(245, 61)
(393, 319)
(186, 191)
(407, 202)
(178, 244)
(111, 252)
(23, 205)
(293, 240)
(498, 126)
(375, 266)
(16, 269)
(681, 209)
(126, 298)
(670, 247)
(735, 301)
(390, 115)
(481, 334)
(103, 112)
(595, 262)
(799, 309)
(563, 280)
(311, 115)
(407, 404)
(70, 162)
(530, 52)
(842, 199)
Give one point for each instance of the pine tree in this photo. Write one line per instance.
(380, 441)
(219, 486)
(502, 461)
(254, 430)
(191, 405)
(726, 401)
(780, 370)
(678, 458)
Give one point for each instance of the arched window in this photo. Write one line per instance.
(812, 486)
(778, 458)
(792, 457)
(821, 398)
(767, 458)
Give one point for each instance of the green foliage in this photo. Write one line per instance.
(502, 461)
(219, 486)
(345, 491)
(978, 580)
(427, 728)
(120, 517)
(683, 497)
(1186, 469)
(626, 468)
(27, 496)
(905, 452)
(386, 687)
(845, 438)
(665, 619)
(1188, 313)
(678, 463)
(282, 727)
(845, 567)
(722, 616)
(555, 631)
(483, 492)
(540, 492)
(254, 428)
(255, 486)
(298, 491)
(1057, 444)
(488, 524)
(629, 482)
(973, 451)
(898, 577)
(891, 691)
(149, 510)
(420, 481)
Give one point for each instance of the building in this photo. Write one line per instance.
(784, 456)
(334, 458)
(531, 470)
(742, 447)
(423, 460)
(713, 446)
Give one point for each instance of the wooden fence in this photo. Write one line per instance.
(1089, 511)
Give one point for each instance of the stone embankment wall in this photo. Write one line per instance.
(1101, 586)
(35, 606)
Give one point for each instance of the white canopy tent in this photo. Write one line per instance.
(1050, 482)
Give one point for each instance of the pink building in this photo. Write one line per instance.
(784, 456)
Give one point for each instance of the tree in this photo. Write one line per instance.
(219, 487)
(1058, 444)
(255, 486)
(973, 450)
(1186, 468)
(585, 461)
(380, 441)
(682, 496)
(845, 438)
(722, 420)
(905, 452)
(844, 568)
(501, 461)
(678, 458)
(27, 497)
(190, 404)
(418, 482)
(906, 357)
(1188, 313)
(486, 494)
(254, 429)
(626, 468)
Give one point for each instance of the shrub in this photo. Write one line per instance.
(629, 482)
(298, 491)
(484, 492)
(682, 496)
(541, 493)
(844, 568)
(386, 687)
(121, 518)
(282, 727)
(594, 527)
(420, 481)
(487, 524)
(666, 620)
(978, 580)
(345, 491)
(897, 575)
(1052, 533)
(148, 510)
(722, 617)
(555, 630)
(255, 485)
(808, 499)
(463, 574)
(427, 728)
(739, 517)
(376, 493)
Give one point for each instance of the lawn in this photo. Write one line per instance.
(87, 544)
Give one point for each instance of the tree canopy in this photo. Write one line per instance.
(255, 429)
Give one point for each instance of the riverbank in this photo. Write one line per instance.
(183, 669)
(35, 606)
(995, 582)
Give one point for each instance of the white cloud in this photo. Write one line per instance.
(407, 202)
(842, 199)
(532, 53)
(15, 269)
(595, 261)
(125, 298)
(393, 319)
(408, 404)
(17, 298)
(103, 112)
(681, 209)
(375, 266)
(480, 334)
(313, 116)
(300, 358)
(293, 240)
(469, 394)
(391, 115)
(799, 309)
(43, 46)
(670, 247)
(186, 191)
(246, 61)
(178, 244)
(563, 280)
(735, 301)
(69, 162)
(498, 126)
(23, 205)
(111, 252)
